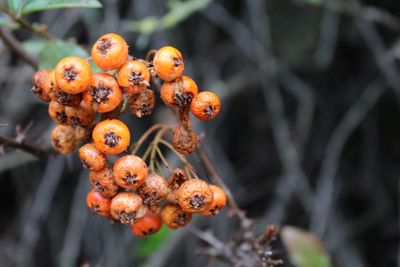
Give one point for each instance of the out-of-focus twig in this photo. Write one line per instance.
(37, 152)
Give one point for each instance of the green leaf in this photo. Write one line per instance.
(7, 22)
(54, 51)
(304, 248)
(151, 244)
(15, 5)
(34, 46)
(39, 5)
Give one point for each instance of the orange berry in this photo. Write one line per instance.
(103, 182)
(57, 113)
(64, 139)
(80, 116)
(111, 137)
(98, 204)
(39, 88)
(205, 106)
(91, 158)
(73, 75)
(195, 195)
(149, 224)
(124, 207)
(218, 203)
(56, 94)
(174, 217)
(134, 76)
(154, 189)
(168, 63)
(179, 93)
(104, 94)
(130, 171)
(110, 51)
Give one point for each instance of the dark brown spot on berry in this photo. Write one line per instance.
(98, 187)
(61, 117)
(37, 90)
(100, 93)
(209, 111)
(104, 45)
(197, 202)
(84, 164)
(151, 199)
(145, 110)
(76, 120)
(94, 208)
(181, 218)
(70, 74)
(130, 178)
(126, 218)
(136, 78)
(183, 99)
(177, 61)
(111, 139)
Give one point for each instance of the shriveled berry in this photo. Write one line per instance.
(185, 140)
(39, 88)
(64, 139)
(103, 182)
(174, 217)
(154, 189)
(142, 104)
(79, 116)
(57, 113)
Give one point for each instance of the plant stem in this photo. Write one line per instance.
(37, 152)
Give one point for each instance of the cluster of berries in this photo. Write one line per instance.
(127, 192)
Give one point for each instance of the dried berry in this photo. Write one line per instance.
(124, 207)
(92, 158)
(185, 140)
(57, 113)
(174, 217)
(103, 182)
(39, 82)
(142, 104)
(64, 139)
(154, 189)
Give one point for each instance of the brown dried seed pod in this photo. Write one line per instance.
(57, 113)
(124, 207)
(79, 116)
(154, 189)
(142, 104)
(174, 217)
(103, 182)
(92, 158)
(185, 140)
(39, 88)
(63, 139)
(177, 178)
(195, 195)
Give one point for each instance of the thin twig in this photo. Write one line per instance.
(37, 152)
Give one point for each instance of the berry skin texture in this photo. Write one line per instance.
(205, 106)
(91, 158)
(168, 63)
(63, 139)
(154, 189)
(195, 196)
(130, 171)
(124, 207)
(147, 225)
(103, 182)
(142, 104)
(185, 140)
(179, 93)
(57, 113)
(110, 51)
(73, 75)
(39, 82)
(80, 116)
(104, 94)
(218, 203)
(111, 137)
(174, 217)
(98, 204)
(134, 76)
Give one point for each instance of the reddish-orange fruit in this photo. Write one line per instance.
(168, 63)
(103, 182)
(195, 195)
(142, 104)
(179, 93)
(57, 113)
(218, 203)
(92, 158)
(110, 51)
(111, 137)
(56, 94)
(174, 217)
(80, 116)
(98, 204)
(149, 224)
(64, 139)
(185, 140)
(134, 76)
(124, 207)
(73, 75)
(39, 88)
(104, 94)
(130, 171)
(154, 189)
(205, 106)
